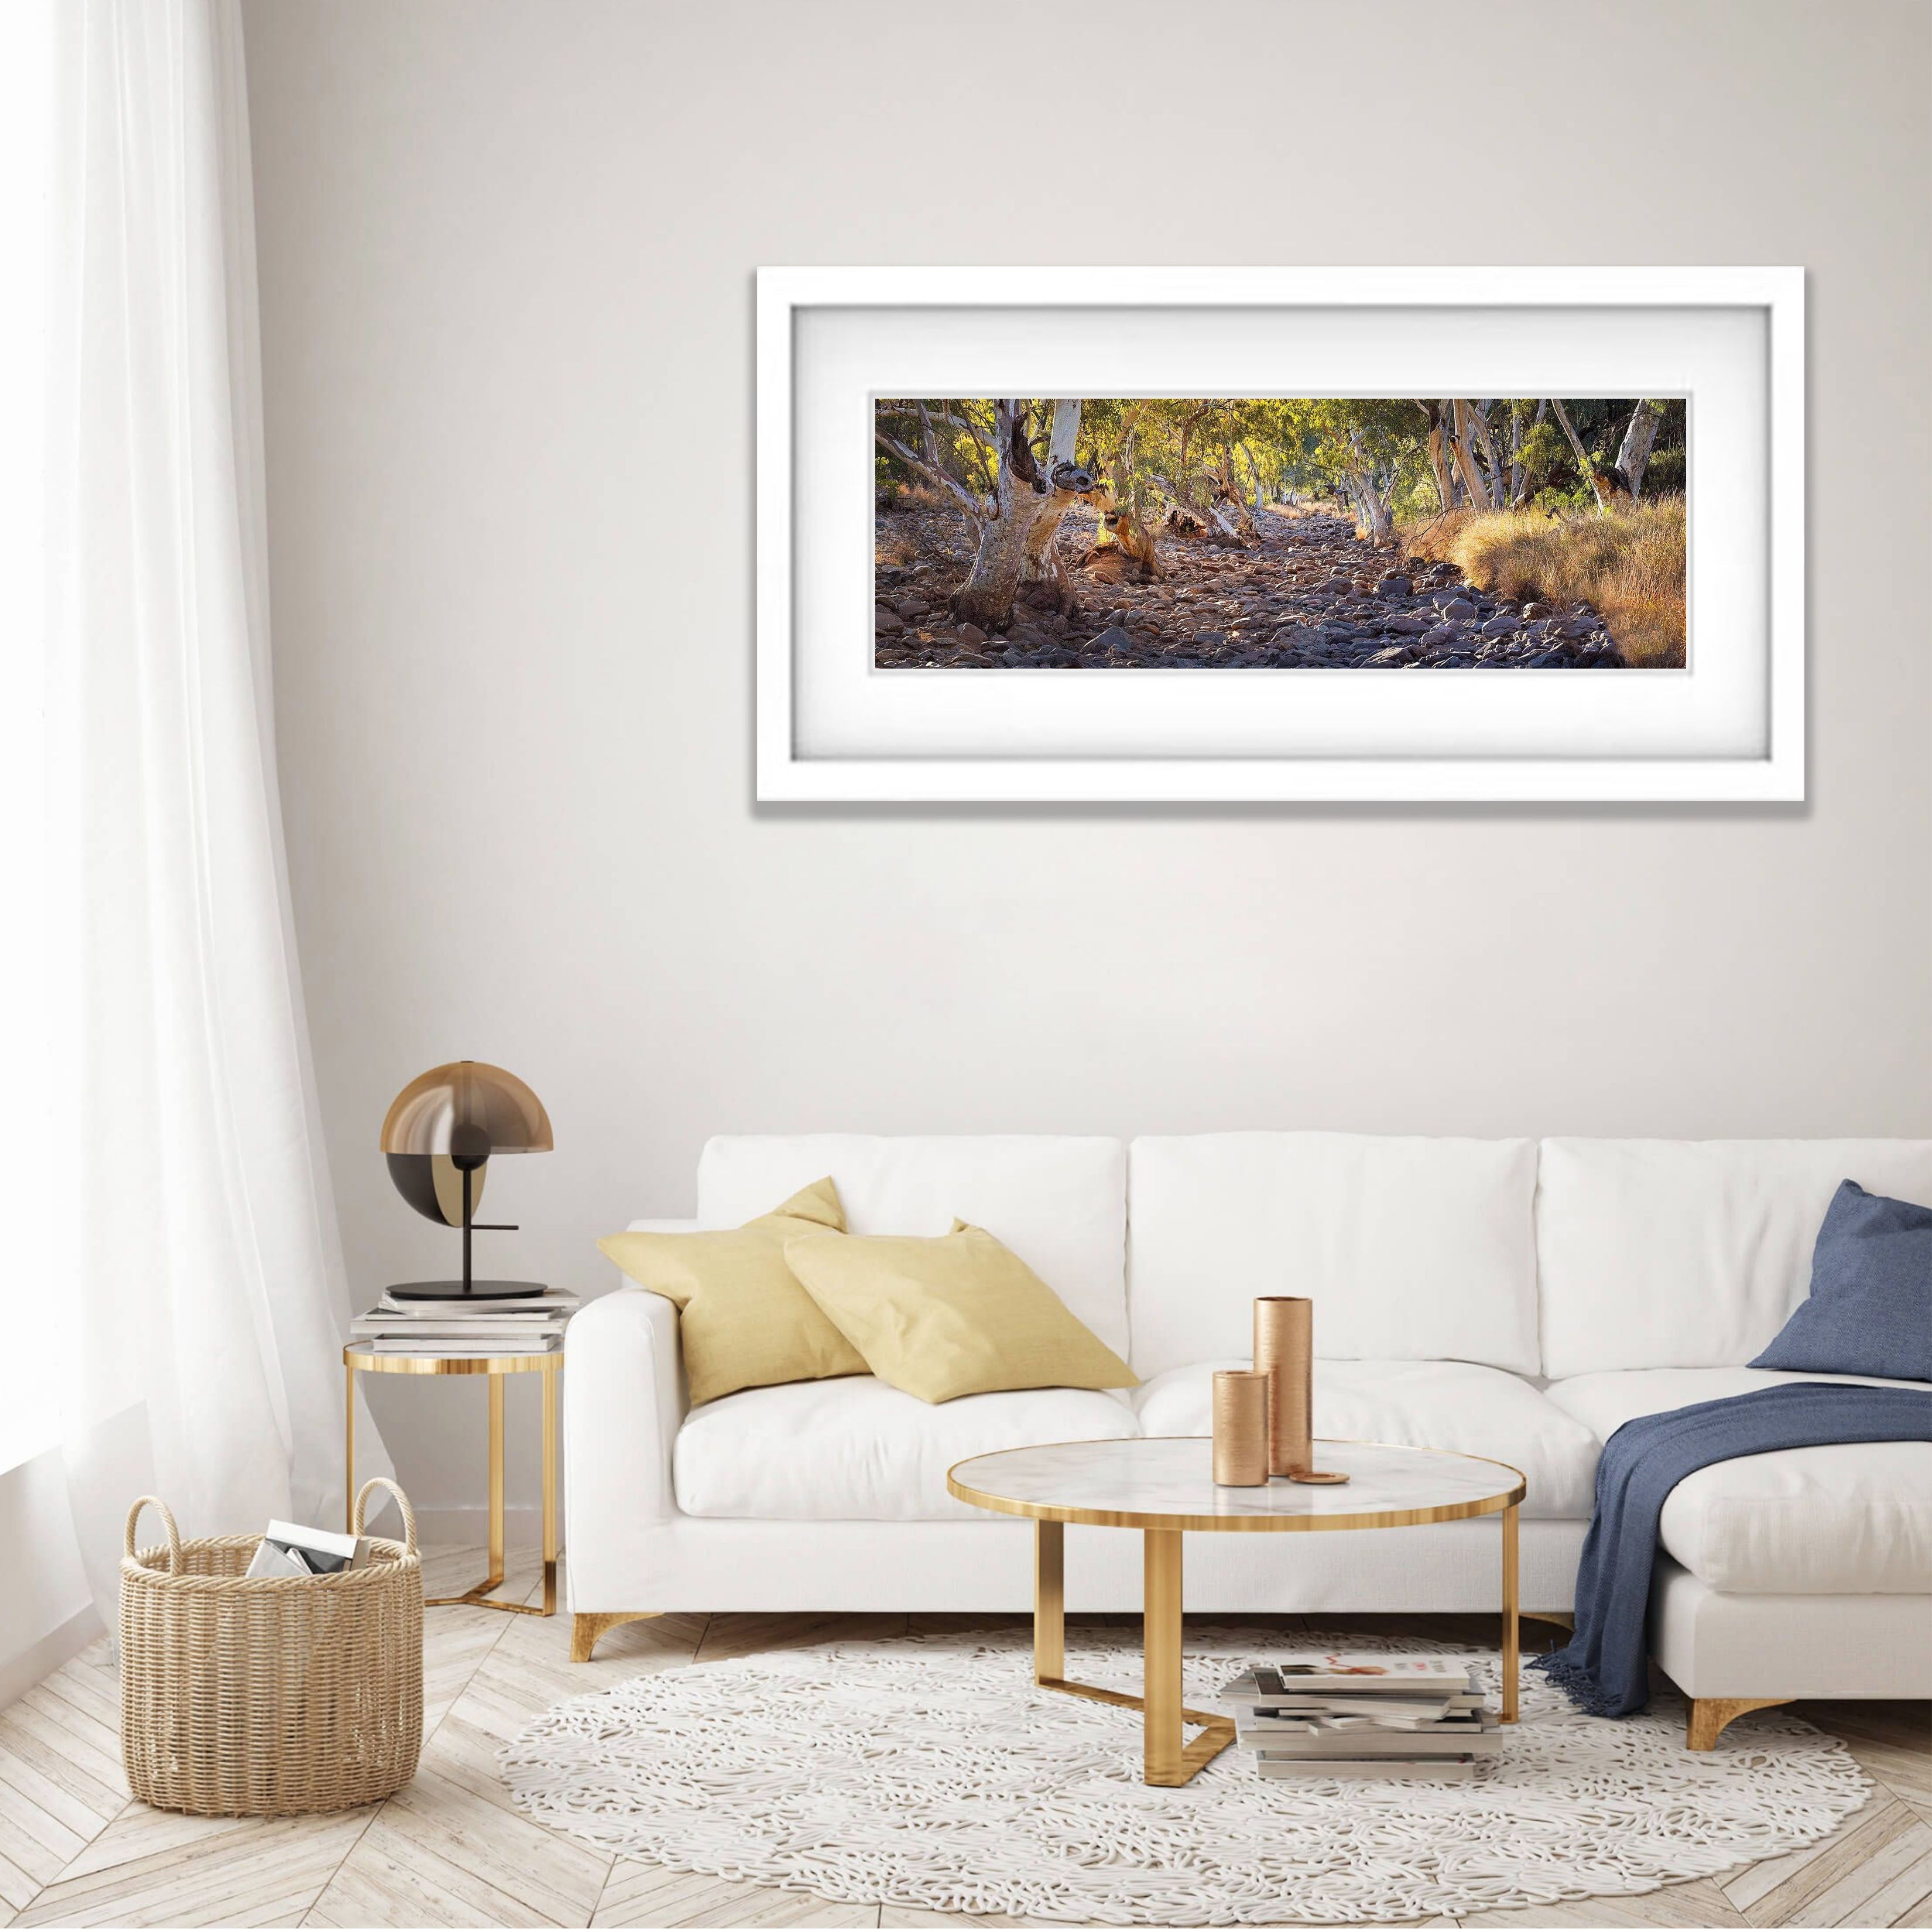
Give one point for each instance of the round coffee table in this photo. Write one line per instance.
(1164, 1486)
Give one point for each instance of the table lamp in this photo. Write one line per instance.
(440, 1133)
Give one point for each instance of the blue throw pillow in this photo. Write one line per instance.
(1870, 1311)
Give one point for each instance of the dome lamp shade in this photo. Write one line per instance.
(438, 1138)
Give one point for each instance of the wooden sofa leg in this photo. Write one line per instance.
(587, 1626)
(1709, 1715)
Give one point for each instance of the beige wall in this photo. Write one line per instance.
(506, 254)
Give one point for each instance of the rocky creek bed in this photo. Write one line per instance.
(1310, 595)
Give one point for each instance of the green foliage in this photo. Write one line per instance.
(1545, 454)
(1161, 450)
(1664, 472)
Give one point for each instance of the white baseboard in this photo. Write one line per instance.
(20, 1674)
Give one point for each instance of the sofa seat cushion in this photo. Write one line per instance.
(1459, 1405)
(855, 1449)
(1847, 1518)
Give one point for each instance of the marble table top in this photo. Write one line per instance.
(1167, 1482)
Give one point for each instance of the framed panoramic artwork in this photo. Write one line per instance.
(1257, 534)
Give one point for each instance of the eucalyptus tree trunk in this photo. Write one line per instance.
(1479, 419)
(1371, 494)
(1582, 455)
(1634, 452)
(1439, 454)
(1021, 494)
(1236, 503)
(1261, 491)
(1040, 562)
(1463, 442)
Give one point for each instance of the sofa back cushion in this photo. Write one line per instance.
(1418, 1248)
(1059, 1202)
(1691, 1254)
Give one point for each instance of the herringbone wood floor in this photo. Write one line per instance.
(75, 1850)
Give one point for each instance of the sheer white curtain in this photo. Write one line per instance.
(196, 1255)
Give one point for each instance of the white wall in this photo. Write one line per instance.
(45, 1613)
(506, 254)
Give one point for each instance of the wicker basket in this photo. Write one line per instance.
(272, 1695)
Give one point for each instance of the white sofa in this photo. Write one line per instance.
(1511, 1298)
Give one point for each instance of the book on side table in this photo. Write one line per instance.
(532, 1325)
(1362, 1716)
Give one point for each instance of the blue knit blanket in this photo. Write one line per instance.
(1602, 1669)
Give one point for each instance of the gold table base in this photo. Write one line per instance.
(1167, 1756)
(549, 1365)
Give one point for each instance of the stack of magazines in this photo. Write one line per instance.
(532, 1325)
(1362, 1716)
(294, 1549)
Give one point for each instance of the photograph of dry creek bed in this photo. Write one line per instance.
(1308, 533)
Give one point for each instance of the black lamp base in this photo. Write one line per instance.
(459, 1290)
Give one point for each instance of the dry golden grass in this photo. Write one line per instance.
(898, 549)
(901, 495)
(1628, 564)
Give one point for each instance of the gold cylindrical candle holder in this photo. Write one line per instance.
(1240, 1427)
(1284, 1352)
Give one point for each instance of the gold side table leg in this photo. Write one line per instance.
(549, 1379)
(1511, 1614)
(349, 1448)
(496, 1575)
(479, 1594)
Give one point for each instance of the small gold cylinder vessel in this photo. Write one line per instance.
(1241, 1428)
(1285, 1351)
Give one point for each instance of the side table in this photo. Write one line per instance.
(547, 1364)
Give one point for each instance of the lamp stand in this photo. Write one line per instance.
(469, 1289)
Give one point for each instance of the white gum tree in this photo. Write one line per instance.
(1068, 484)
(1017, 532)
(1634, 453)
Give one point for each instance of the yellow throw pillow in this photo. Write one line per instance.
(952, 1314)
(743, 1320)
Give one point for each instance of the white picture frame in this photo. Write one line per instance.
(830, 728)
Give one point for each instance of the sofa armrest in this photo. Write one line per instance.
(624, 1403)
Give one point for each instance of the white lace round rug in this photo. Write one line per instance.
(931, 1771)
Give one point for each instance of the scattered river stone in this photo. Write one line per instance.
(1309, 594)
